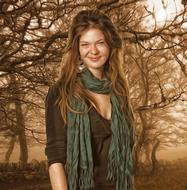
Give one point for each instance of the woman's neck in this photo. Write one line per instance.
(98, 73)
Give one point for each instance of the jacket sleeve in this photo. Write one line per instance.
(56, 133)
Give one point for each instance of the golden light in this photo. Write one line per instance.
(163, 11)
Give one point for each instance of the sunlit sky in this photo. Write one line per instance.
(164, 10)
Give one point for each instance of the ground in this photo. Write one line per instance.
(170, 176)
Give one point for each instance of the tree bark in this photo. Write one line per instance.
(10, 149)
(21, 134)
(139, 143)
(20, 121)
(147, 154)
(153, 156)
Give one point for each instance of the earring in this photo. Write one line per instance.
(81, 67)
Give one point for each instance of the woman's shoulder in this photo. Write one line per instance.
(53, 91)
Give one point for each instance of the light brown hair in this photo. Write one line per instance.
(69, 83)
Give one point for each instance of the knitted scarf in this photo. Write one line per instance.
(79, 150)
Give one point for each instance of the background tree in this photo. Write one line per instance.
(33, 35)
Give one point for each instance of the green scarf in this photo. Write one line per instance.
(79, 149)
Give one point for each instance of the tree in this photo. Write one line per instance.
(33, 35)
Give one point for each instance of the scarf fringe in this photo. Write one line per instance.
(86, 179)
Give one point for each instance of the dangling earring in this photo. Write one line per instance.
(81, 67)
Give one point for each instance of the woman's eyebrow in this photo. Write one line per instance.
(102, 39)
(84, 41)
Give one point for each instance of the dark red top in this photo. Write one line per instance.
(56, 140)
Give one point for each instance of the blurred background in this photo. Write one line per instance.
(33, 35)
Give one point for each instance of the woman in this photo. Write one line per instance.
(88, 116)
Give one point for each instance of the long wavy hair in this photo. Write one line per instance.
(69, 83)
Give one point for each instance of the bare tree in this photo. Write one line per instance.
(33, 35)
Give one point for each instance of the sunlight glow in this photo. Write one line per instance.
(163, 11)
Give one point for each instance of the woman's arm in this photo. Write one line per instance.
(56, 136)
(58, 177)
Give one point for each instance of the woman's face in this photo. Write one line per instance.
(94, 51)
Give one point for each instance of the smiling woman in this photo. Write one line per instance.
(94, 50)
(89, 120)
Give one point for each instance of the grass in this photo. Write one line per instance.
(170, 176)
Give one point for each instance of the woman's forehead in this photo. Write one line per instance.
(92, 34)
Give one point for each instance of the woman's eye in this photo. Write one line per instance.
(84, 45)
(101, 43)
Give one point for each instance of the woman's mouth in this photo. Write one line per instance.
(94, 58)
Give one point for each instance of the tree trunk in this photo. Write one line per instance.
(20, 122)
(147, 154)
(10, 148)
(21, 134)
(153, 156)
(139, 143)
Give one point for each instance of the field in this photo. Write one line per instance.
(170, 176)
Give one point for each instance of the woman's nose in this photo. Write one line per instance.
(94, 50)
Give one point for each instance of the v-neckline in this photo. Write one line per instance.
(102, 117)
